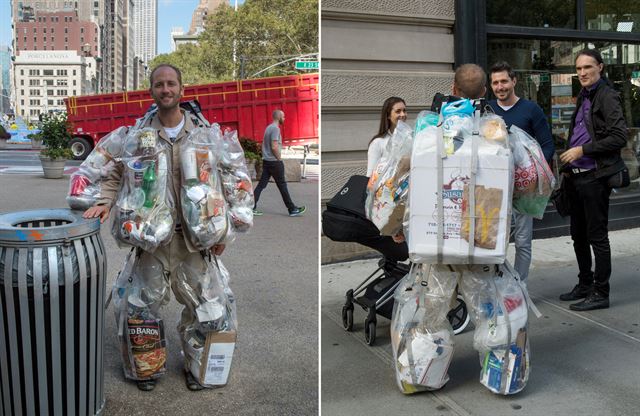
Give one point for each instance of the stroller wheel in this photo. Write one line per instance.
(369, 332)
(347, 318)
(459, 316)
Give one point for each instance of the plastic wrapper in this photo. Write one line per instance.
(84, 185)
(533, 179)
(211, 304)
(204, 208)
(498, 304)
(144, 207)
(236, 182)
(421, 335)
(388, 184)
(460, 211)
(140, 289)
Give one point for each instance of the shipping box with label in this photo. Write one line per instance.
(212, 362)
(493, 191)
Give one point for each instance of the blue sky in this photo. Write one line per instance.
(171, 13)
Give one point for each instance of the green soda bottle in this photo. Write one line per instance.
(149, 184)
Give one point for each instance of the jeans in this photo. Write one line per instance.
(522, 236)
(273, 169)
(589, 228)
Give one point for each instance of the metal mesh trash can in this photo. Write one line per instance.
(52, 288)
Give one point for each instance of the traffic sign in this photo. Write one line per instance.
(307, 64)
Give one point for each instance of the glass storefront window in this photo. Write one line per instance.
(540, 13)
(546, 74)
(612, 15)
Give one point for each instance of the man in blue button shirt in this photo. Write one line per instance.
(529, 117)
(598, 132)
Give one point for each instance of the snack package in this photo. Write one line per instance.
(140, 289)
(387, 187)
(84, 184)
(498, 304)
(533, 179)
(204, 208)
(236, 181)
(421, 335)
(144, 207)
(209, 331)
(474, 185)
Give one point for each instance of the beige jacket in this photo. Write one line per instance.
(111, 185)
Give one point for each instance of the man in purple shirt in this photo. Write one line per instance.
(598, 132)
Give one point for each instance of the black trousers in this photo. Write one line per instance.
(273, 169)
(589, 228)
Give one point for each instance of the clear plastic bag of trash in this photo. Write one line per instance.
(204, 208)
(143, 212)
(84, 184)
(421, 335)
(141, 288)
(388, 185)
(498, 304)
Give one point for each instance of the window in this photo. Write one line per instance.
(48, 82)
(34, 82)
(44, 30)
(66, 47)
(44, 39)
(66, 30)
(50, 102)
(21, 82)
(81, 30)
(21, 102)
(52, 30)
(34, 113)
(34, 92)
(74, 72)
(66, 39)
(52, 39)
(34, 72)
(47, 72)
(49, 92)
(62, 82)
(81, 39)
(548, 13)
(34, 102)
(35, 30)
(21, 92)
(612, 16)
(25, 31)
(74, 82)
(25, 39)
(35, 39)
(22, 72)
(60, 102)
(62, 92)
(62, 72)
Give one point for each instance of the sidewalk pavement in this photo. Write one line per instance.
(581, 363)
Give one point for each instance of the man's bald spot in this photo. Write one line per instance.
(470, 81)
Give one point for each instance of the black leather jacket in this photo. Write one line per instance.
(607, 128)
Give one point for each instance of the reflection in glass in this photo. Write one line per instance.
(613, 15)
(541, 13)
(545, 71)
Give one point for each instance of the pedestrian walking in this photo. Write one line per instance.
(273, 166)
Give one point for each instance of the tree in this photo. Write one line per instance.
(275, 29)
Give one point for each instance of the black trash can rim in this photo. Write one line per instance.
(74, 226)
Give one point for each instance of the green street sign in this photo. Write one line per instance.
(307, 64)
(544, 77)
(635, 74)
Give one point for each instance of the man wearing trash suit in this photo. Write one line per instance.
(597, 134)
(172, 126)
(496, 301)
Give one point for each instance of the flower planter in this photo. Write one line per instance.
(52, 168)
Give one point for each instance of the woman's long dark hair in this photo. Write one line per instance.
(385, 124)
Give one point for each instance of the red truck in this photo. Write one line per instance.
(243, 105)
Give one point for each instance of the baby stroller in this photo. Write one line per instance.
(345, 220)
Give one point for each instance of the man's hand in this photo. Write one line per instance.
(101, 211)
(398, 238)
(217, 249)
(571, 155)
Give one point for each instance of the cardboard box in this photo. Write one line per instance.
(494, 172)
(211, 364)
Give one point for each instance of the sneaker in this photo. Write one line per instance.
(191, 382)
(146, 385)
(594, 301)
(257, 213)
(578, 292)
(297, 211)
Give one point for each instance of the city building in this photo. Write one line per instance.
(23, 9)
(199, 16)
(145, 17)
(412, 51)
(43, 79)
(5, 79)
(178, 37)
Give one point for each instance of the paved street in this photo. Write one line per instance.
(582, 363)
(274, 272)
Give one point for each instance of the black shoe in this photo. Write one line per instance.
(578, 292)
(146, 385)
(297, 211)
(192, 383)
(594, 301)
